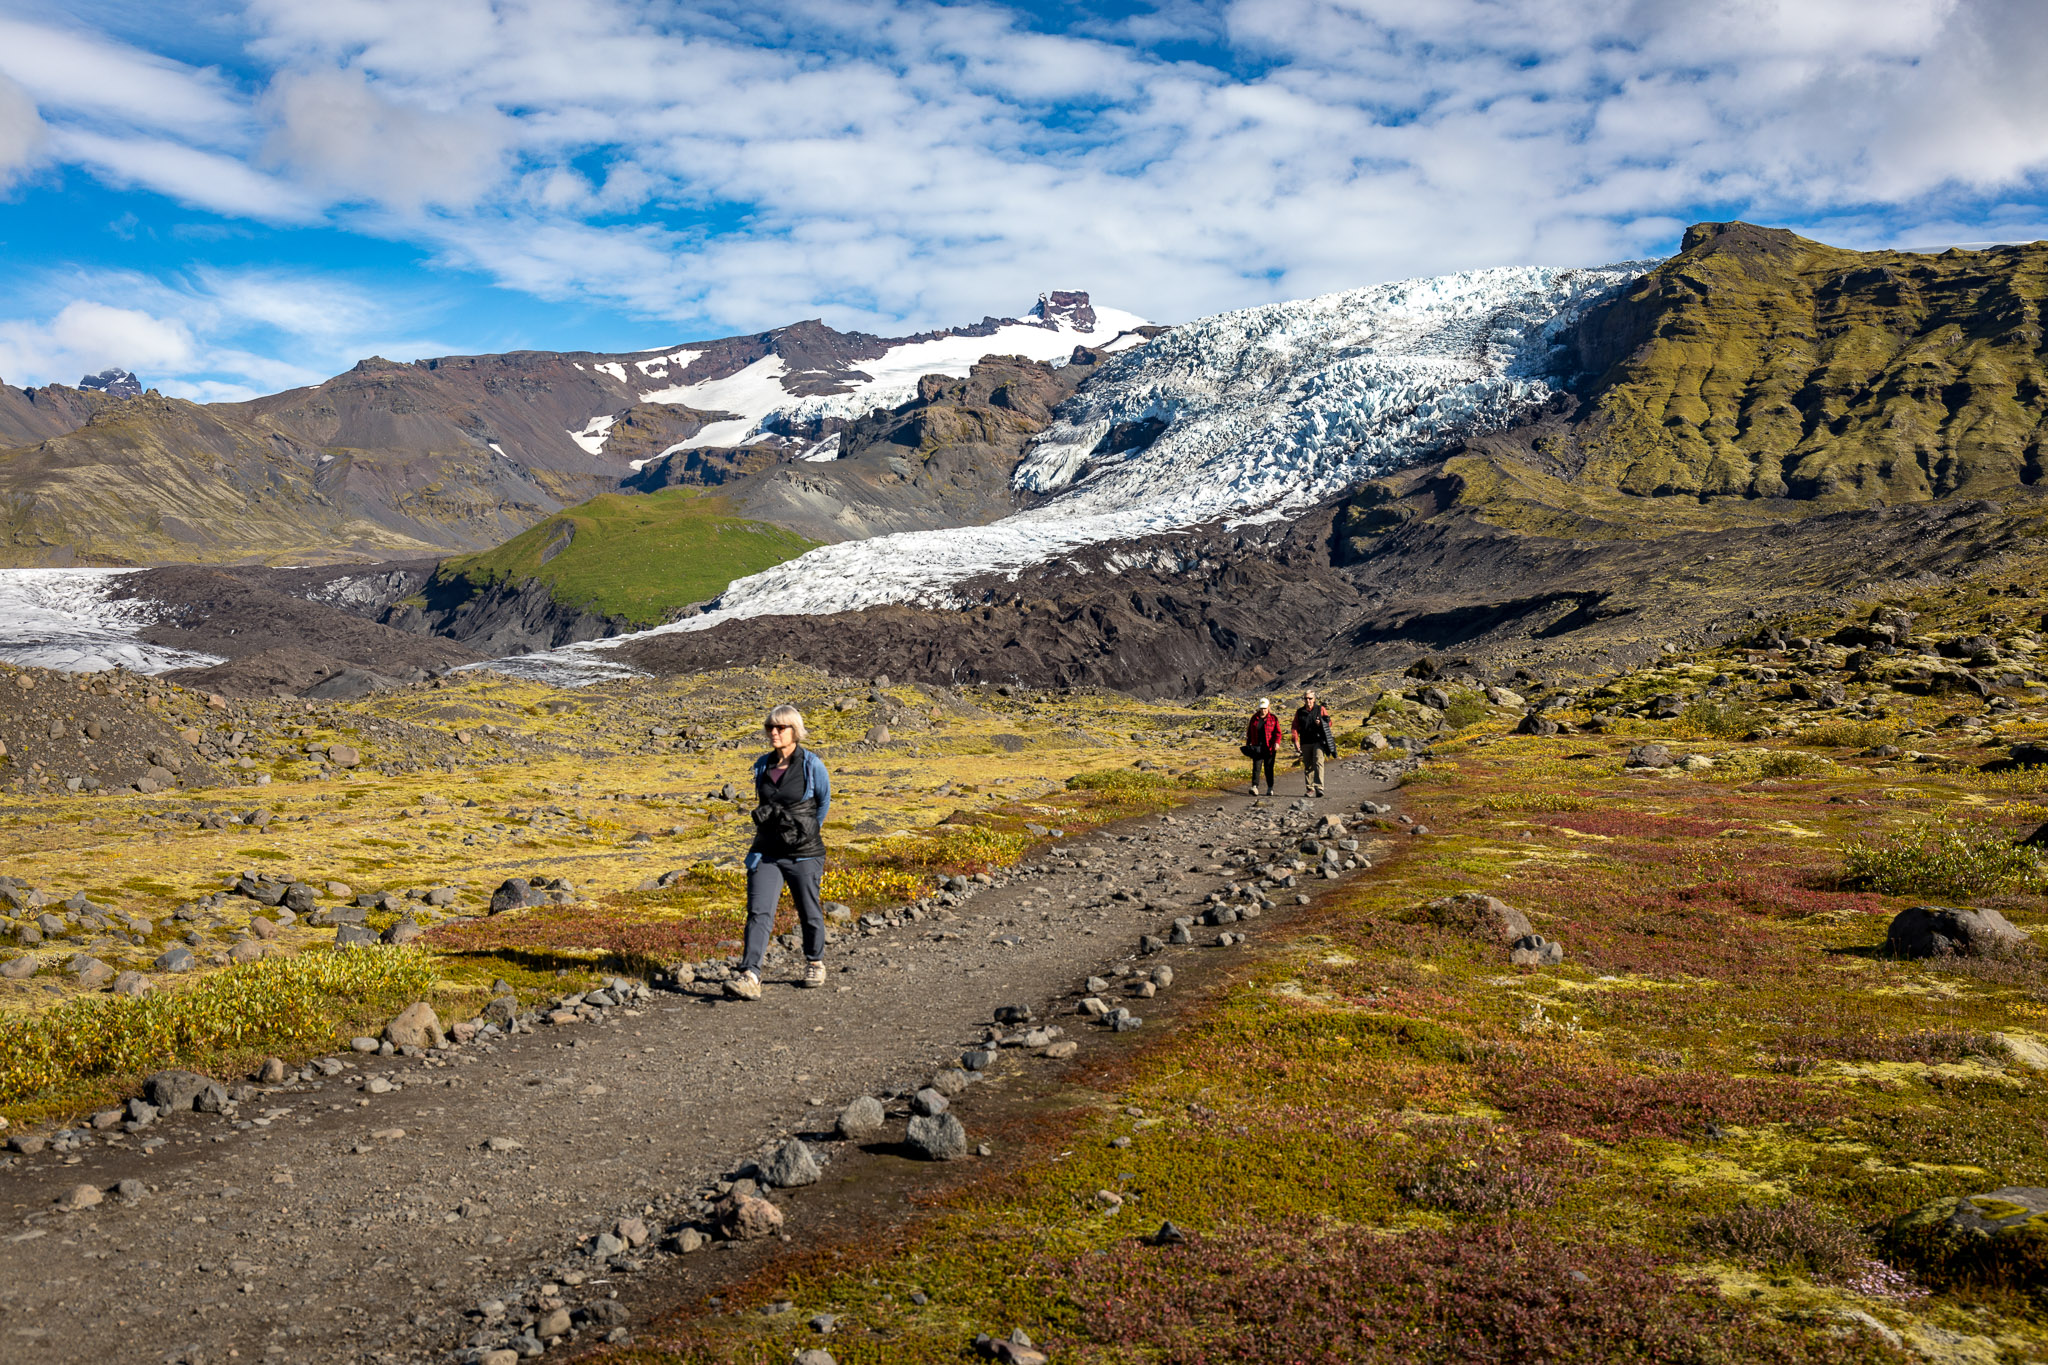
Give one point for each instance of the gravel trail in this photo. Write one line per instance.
(368, 1215)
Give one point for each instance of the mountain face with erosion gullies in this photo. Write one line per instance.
(458, 453)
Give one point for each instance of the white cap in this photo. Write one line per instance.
(1266, 702)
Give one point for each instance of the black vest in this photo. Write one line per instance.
(785, 824)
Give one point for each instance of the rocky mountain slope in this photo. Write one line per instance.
(1560, 473)
(454, 453)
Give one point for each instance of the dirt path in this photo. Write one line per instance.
(299, 1228)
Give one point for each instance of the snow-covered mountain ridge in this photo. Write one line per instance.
(793, 385)
(1249, 414)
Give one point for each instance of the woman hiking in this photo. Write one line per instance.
(1262, 742)
(792, 797)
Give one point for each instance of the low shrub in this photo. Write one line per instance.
(1942, 859)
(1849, 734)
(1790, 763)
(1466, 710)
(1793, 1235)
(1718, 719)
(1498, 1291)
(1484, 1170)
(1930, 1045)
(279, 1004)
(1118, 780)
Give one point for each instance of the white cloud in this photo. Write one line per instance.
(895, 163)
(22, 133)
(341, 136)
(219, 335)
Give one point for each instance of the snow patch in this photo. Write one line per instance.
(677, 360)
(592, 437)
(63, 619)
(612, 368)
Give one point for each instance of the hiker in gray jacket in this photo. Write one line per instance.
(792, 797)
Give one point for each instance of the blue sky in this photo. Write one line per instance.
(235, 198)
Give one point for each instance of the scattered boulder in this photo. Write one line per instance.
(133, 984)
(80, 1197)
(403, 932)
(1937, 931)
(1483, 916)
(861, 1119)
(747, 1218)
(1534, 950)
(937, 1137)
(176, 959)
(1649, 756)
(790, 1166)
(356, 936)
(415, 1026)
(182, 1090)
(928, 1101)
(516, 893)
(1536, 724)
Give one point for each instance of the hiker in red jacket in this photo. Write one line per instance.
(1262, 742)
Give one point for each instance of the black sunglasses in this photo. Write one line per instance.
(773, 728)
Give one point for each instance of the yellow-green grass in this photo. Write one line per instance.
(641, 556)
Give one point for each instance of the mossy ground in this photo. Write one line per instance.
(1685, 1143)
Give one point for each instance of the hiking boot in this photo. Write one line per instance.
(745, 986)
(814, 975)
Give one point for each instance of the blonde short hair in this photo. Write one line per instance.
(787, 715)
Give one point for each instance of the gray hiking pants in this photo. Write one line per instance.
(764, 891)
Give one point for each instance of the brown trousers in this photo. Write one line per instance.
(1312, 769)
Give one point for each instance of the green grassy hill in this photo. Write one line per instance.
(640, 556)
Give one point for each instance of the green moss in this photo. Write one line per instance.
(642, 557)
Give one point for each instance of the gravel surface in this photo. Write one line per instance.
(422, 1208)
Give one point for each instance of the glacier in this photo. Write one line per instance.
(1260, 412)
(68, 620)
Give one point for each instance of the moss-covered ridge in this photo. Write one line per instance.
(637, 557)
(1758, 364)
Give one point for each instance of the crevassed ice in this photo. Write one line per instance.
(64, 619)
(1263, 411)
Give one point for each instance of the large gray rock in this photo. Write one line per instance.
(1940, 931)
(1649, 756)
(356, 936)
(862, 1118)
(301, 899)
(791, 1165)
(928, 1101)
(176, 959)
(515, 893)
(1487, 917)
(181, 1090)
(938, 1137)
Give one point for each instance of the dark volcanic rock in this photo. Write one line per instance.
(1934, 930)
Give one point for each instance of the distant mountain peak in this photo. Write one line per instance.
(113, 382)
(1068, 306)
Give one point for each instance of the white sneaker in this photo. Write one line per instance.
(745, 986)
(814, 975)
